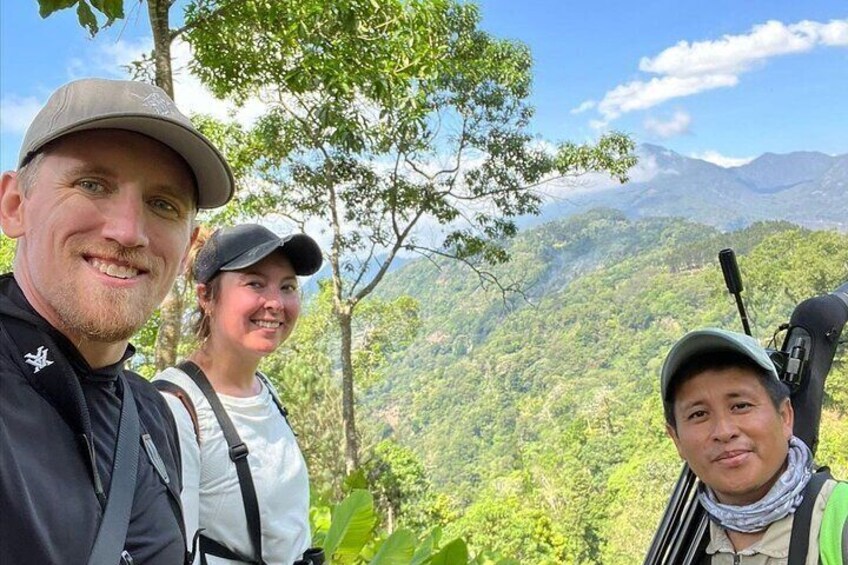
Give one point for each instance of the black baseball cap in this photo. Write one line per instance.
(238, 247)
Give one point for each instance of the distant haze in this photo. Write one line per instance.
(807, 188)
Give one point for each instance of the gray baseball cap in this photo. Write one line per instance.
(712, 340)
(238, 247)
(134, 106)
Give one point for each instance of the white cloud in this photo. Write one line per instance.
(677, 125)
(16, 113)
(717, 158)
(587, 105)
(639, 95)
(690, 68)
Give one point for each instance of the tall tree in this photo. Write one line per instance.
(386, 119)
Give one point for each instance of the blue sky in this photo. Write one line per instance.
(722, 80)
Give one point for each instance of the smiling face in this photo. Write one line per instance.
(255, 309)
(102, 232)
(731, 434)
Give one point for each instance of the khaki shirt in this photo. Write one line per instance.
(773, 547)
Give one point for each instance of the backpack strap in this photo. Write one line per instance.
(285, 413)
(176, 390)
(799, 542)
(238, 454)
(112, 533)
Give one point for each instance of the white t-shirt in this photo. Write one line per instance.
(211, 495)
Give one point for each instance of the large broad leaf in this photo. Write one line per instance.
(112, 9)
(87, 19)
(454, 553)
(396, 550)
(353, 521)
(47, 7)
(427, 547)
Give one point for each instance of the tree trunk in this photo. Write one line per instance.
(343, 315)
(171, 311)
(170, 326)
(157, 10)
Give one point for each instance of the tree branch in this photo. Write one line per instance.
(209, 16)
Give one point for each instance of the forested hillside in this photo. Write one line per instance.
(529, 422)
(537, 416)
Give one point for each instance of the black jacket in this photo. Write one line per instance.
(49, 429)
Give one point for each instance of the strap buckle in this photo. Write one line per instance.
(238, 451)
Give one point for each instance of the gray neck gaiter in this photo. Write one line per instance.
(783, 497)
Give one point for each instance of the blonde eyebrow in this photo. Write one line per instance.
(85, 169)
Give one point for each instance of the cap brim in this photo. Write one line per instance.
(709, 341)
(300, 249)
(215, 181)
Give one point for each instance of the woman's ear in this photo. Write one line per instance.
(202, 291)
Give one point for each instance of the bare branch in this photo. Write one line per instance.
(214, 14)
(486, 278)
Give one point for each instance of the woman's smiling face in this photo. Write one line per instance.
(255, 309)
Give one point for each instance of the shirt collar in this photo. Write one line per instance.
(774, 543)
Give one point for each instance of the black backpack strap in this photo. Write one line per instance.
(277, 402)
(238, 454)
(109, 545)
(799, 542)
(176, 390)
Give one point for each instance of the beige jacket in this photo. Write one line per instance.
(773, 547)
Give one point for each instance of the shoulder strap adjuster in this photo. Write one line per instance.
(238, 451)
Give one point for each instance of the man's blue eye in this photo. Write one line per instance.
(164, 206)
(91, 185)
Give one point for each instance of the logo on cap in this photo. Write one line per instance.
(162, 105)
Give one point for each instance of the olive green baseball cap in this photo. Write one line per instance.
(712, 340)
(143, 108)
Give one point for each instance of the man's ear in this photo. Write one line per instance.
(787, 417)
(12, 204)
(672, 433)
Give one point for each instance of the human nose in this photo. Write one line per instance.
(124, 220)
(724, 428)
(282, 300)
(275, 300)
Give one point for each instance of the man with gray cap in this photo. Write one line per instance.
(102, 206)
(731, 420)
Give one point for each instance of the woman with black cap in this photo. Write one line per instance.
(245, 485)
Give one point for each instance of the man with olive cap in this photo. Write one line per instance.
(730, 418)
(102, 206)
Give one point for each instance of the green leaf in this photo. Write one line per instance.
(454, 553)
(396, 550)
(425, 550)
(350, 530)
(47, 7)
(114, 9)
(87, 18)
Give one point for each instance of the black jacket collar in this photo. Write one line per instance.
(36, 345)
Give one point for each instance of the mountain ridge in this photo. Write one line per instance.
(807, 188)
